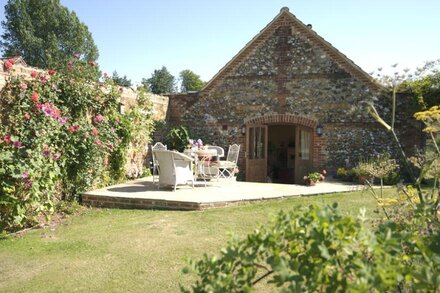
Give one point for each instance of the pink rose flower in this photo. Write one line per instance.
(34, 97)
(7, 138)
(34, 74)
(27, 116)
(18, 144)
(51, 72)
(73, 128)
(46, 153)
(62, 120)
(7, 65)
(98, 118)
(25, 175)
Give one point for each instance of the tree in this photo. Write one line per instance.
(427, 88)
(161, 82)
(122, 81)
(45, 33)
(145, 85)
(190, 81)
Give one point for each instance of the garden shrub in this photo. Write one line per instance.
(60, 135)
(178, 138)
(379, 168)
(346, 174)
(318, 250)
(392, 179)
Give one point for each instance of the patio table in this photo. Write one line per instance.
(203, 158)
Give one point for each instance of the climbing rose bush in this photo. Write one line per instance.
(59, 133)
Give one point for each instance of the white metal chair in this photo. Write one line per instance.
(228, 167)
(220, 150)
(155, 147)
(175, 168)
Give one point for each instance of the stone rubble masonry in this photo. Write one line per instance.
(289, 75)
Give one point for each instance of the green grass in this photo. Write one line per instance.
(110, 250)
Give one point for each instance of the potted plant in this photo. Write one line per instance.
(313, 177)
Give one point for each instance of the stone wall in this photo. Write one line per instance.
(286, 73)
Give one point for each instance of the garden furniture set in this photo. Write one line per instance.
(171, 168)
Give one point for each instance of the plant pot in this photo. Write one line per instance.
(311, 183)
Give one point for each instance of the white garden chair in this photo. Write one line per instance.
(175, 168)
(228, 167)
(220, 150)
(157, 146)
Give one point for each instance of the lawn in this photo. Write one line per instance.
(137, 250)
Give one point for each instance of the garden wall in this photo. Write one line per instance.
(135, 159)
(128, 95)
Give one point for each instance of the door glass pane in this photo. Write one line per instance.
(257, 143)
(251, 142)
(261, 143)
(304, 143)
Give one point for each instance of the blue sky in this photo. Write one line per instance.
(135, 37)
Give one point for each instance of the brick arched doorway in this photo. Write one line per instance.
(280, 148)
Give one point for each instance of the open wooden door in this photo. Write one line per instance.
(303, 153)
(256, 158)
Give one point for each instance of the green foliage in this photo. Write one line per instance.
(348, 175)
(319, 250)
(315, 177)
(138, 126)
(160, 82)
(392, 178)
(190, 81)
(178, 138)
(60, 135)
(426, 87)
(45, 33)
(122, 81)
(380, 167)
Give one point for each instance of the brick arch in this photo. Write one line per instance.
(283, 119)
